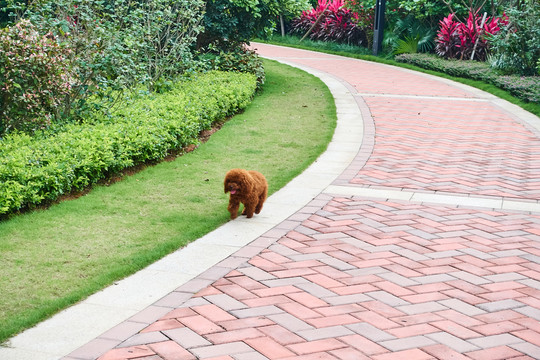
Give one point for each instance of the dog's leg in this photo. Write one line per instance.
(248, 210)
(233, 208)
(259, 206)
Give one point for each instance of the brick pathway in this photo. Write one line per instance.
(373, 277)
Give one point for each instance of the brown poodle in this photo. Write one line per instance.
(247, 187)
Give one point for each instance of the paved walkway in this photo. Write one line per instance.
(415, 236)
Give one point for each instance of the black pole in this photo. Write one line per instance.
(378, 27)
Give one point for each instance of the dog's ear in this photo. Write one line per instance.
(225, 186)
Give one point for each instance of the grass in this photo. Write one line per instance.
(364, 54)
(52, 258)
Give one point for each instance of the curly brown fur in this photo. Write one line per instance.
(247, 187)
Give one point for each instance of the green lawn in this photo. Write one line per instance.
(52, 258)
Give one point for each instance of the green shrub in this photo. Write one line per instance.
(524, 88)
(234, 57)
(516, 48)
(33, 78)
(38, 169)
(118, 45)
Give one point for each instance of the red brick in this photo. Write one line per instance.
(528, 335)
(443, 352)
(412, 354)
(280, 334)
(366, 346)
(169, 350)
(455, 329)
(201, 325)
(269, 348)
(495, 353)
(497, 328)
(316, 346)
(128, 353)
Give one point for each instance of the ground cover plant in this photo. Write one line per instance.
(53, 258)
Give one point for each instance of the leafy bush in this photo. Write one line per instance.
(525, 88)
(409, 36)
(516, 48)
(238, 21)
(234, 57)
(33, 76)
(337, 24)
(40, 168)
(459, 40)
(119, 44)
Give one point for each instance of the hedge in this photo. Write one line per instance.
(526, 88)
(40, 168)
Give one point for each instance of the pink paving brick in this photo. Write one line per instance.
(327, 321)
(528, 335)
(366, 346)
(299, 311)
(494, 353)
(213, 313)
(128, 353)
(443, 352)
(269, 348)
(348, 354)
(201, 325)
(497, 328)
(281, 335)
(316, 346)
(456, 329)
(413, 354)
(169, 350)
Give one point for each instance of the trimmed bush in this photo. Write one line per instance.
(524, 88)
(38, 169)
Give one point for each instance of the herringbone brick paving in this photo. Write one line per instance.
(356, 278)
(451, 146)
(363, 279)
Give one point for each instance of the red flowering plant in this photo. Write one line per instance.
(459, 40)
(331, 21)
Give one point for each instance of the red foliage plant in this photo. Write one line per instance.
(458, 40)
(336, 23)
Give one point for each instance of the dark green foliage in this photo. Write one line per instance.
(516, 48)
(234, 57)
(43, 167)
(237, 21)
(524, 88)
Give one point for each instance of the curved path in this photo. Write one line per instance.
(415, 236)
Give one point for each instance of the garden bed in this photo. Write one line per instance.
(40, 168)
(526, 88)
